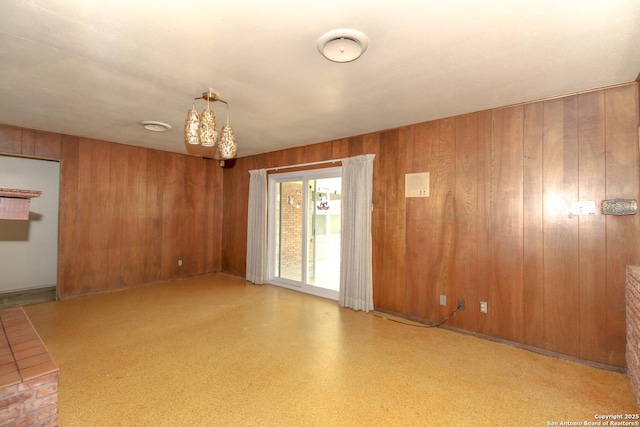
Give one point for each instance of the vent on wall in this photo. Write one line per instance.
(416, 184)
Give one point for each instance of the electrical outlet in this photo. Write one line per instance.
(443, 300)
(483, 307)
(461, 304)
(179, 263)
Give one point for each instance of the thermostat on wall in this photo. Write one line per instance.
(416, 184)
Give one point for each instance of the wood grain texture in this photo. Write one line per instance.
(46, 145)
(496, 228)
(621, 124)
(592, 228)
(533, 237)
(127, 214)
(134, 201)
(68, 216)
(28, 142)
(10, 139)
(391, 251)
(236, 202)
(465, 256)
(116, 197)
(443, 209)
(560, 188)
(153, 224)
(421, 239)
(505, 203)
(485, 136)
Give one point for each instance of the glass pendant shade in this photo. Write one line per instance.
(227, 146)
(202, 129)
(208, 132)
(191, 126)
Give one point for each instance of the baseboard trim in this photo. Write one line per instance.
(544, 352)
(28, 296)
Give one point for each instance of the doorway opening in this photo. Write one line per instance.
(304, 231)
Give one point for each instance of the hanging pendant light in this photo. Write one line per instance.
(208, 131)
(227, 147)
(191, 126)
(203, 129)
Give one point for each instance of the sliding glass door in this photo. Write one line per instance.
(304, 231)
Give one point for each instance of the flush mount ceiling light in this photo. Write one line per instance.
(155, 126)
(342, 45)
(203, 130)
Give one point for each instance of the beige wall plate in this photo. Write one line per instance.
(416, 184)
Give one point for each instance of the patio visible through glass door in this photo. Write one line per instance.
(304, 237)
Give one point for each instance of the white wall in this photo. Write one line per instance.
(29, 249)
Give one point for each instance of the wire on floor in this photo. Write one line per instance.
(418, 325)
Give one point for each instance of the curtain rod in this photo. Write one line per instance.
(303, 164)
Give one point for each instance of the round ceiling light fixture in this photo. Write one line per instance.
(155, 126)
(342, 45)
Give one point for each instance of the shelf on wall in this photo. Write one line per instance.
(15, 204)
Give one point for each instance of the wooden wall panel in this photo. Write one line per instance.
(391, 296)
(419, 292)
(68, 217)
(134, 201)
(215, 208)
(195, 177)
(115, 198)
(552, 280)
(444, 202)
(485, 136)
(10, 139)
(153, 224)
(505, 202)
(591, 228)
(47, 145)
(28, 142)
(392, 247)
(621, 124)
(561, 228)
(560, 188)
(100, 213)
(172, 185)
(127, 214)
(236, 205)
(533, 238)
(465, 257)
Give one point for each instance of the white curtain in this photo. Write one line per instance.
(257, 227)
(356, 272)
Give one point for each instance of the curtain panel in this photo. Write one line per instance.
(256, 271)
(356, 271)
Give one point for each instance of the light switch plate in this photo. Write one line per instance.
(587, 207)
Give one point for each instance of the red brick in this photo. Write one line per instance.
(25, 421)
(9, 414)
(38, 404)
(47, 390)
(47, 412)
(8, 391)
(17, 399)
(53, 422)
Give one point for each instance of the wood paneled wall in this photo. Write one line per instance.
(127, 214)
(497, 226)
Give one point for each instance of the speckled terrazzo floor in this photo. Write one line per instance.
(218, 351)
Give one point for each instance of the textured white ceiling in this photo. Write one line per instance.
(97, 68)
